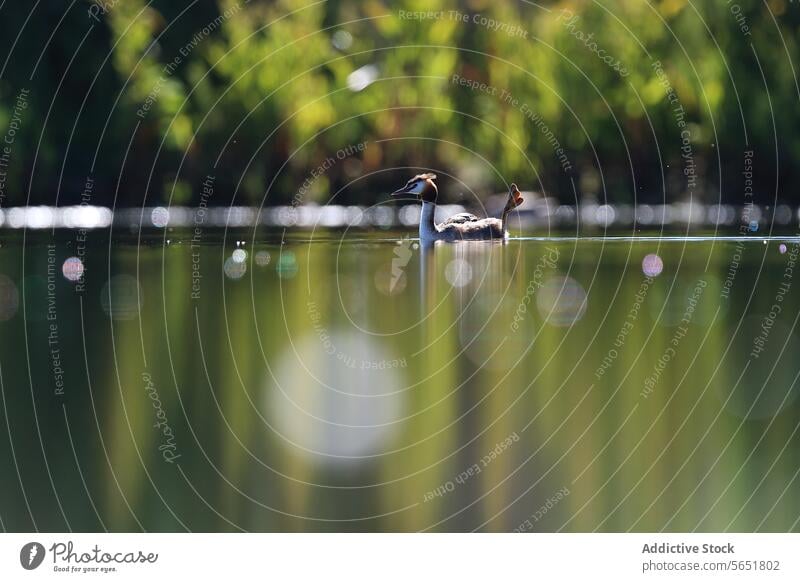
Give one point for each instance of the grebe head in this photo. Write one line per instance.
(421, 186)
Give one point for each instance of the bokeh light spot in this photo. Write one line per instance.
(263, 258)
(561, 301)
(652, 265)
(336, 399)
(239, 256)
(287, 265)
(233, 269)
(458, 272)
(72, 269)
(159, 216)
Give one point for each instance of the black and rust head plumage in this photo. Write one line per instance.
(421, 185)
(425, 176)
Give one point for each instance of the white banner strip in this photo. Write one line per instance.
(401, 557)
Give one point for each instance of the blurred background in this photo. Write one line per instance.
(149, 98)
(200, 359)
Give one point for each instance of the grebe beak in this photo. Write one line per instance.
(407, 189)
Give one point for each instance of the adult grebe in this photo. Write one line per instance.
(463, 226)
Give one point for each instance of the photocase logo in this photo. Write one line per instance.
(31, 555)
(402, 255)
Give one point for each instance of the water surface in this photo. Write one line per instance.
(329, 382)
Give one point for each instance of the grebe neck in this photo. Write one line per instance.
(427, 225)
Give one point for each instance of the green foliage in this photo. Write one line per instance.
(261, 93)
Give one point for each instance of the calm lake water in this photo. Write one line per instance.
(338, 382)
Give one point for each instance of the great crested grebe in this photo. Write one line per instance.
(462, 226)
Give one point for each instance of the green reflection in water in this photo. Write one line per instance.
(370, 384)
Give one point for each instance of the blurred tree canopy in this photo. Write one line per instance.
(623, 101)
